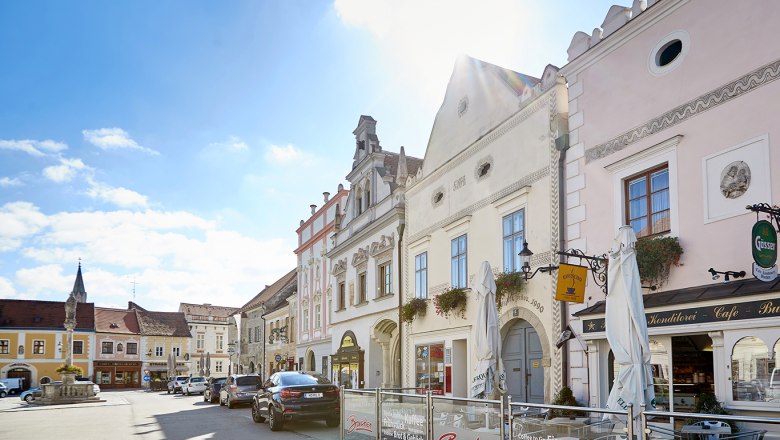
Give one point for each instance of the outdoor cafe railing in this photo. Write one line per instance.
(745, 431)
(535, 421)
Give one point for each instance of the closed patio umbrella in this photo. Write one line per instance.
(171, 368)
(489, 377)
(208, 364)
(626, 327)
(202, 365)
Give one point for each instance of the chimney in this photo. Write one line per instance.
(313, 208)
(326, 196)
(341, 187)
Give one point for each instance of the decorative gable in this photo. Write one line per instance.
(360, 257)
(340, 267)
(386, 243)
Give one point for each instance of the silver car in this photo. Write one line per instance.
(194, 385)
(238, 389)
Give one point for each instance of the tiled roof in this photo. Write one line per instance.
(163, 323)
(116, 321)
(20, 313)
(270, 291)
(391, 163)
(207, 310)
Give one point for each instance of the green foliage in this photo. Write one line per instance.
(451, 301)
(509, 286)
(655, 257)
(414, 308)
(707, 403)
(72, 369)
(565, 397)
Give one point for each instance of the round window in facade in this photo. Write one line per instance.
(669, 53)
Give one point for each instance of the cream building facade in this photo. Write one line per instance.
(212, 327)
(365, 262)
(489, 181)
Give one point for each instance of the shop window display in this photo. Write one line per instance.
(430, 373)
(755, 375)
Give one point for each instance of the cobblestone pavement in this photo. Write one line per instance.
(142, 415)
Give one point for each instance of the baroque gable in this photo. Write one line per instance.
(340, 267)
(386, 243)
(360, 257)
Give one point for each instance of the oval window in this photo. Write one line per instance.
(437, 198)
(483, 170)
(668, 53)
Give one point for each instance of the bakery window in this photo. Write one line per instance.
(755, 374)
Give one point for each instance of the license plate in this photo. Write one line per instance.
(312, 395)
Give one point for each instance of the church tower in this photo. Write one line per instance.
(78, 288)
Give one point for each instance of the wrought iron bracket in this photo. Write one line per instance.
(597, 265)
(766, 209)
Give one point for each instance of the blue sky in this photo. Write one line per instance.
(179, 143)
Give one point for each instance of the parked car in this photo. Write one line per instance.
(174, 385)
(14, 384)
(3, 390)
(95, 387)
(194, 385)
(211, 394)
(296, 395)
(238, 389)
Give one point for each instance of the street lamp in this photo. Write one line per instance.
(526, 254)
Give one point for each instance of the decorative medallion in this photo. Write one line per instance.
(463, 106)
(734, 179)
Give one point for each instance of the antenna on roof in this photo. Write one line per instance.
(134, 284)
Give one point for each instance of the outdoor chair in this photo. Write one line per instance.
(666, 433)
(711, 424)
(745, 435)
(611, 437)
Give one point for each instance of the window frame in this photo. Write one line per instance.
(159, 351)
(81, 345)
(421, 275)
(219, 341)
(200, 341)
(131, 348)
(362, 287)
(317, 316)
(516, 259)
(342, 286)
(385, 279)
(647, 175)
(39, 346)
(457, 279)
(176, 351)
(5, 346)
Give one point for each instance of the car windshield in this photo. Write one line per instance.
(303, 379)
(219, 381)
(248, 380)
(182, 378)
(198, 379)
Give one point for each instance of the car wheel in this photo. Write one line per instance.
(332, 422)
(29, 398)
(275, 421)
(230, 403)
(256, 417)
(3, 394)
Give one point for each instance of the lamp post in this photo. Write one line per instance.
(231, 350)
(526, 254)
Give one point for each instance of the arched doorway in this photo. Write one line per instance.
(384, 337)
(311, 362)
(522, 355)
(22, 373)
(251, 367)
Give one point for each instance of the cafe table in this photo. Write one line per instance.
(705, 432)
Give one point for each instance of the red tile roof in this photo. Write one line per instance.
(273, 289)
(116, 321)
(21, 313)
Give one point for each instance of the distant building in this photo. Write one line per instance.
(212, 328)
(163, 333)
(117, 355)
(33, 338)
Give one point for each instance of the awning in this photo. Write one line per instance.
(180, 368)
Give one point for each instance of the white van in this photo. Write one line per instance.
(13, 384)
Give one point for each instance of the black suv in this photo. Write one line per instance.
(296, 395)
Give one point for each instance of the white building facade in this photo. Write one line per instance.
(212, 328)
(365, 275)
(311, 305)
(489, 182)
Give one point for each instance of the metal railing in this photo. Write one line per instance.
(647, 430)
(538, 423)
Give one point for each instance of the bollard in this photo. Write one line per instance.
(341, 412)
(429, 416)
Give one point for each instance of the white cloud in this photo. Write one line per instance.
(114, 138)
(19, 220)
(174, 256)
(283, 155)
(232, 144)
(119, 196)
(65, 171)
(7, 182)
(7, 289)
(32, 147)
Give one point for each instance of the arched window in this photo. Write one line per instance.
(752, 370)
(359, 201)
(367, 185)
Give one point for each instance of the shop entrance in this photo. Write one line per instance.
(347, 363)
(522, 356)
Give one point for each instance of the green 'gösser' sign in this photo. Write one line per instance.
(764, 244)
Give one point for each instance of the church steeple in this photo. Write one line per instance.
(78, 287)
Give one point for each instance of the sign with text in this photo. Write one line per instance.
(571, 283)
(717, 313)
(764, 244)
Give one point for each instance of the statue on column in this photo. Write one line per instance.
(70, 324)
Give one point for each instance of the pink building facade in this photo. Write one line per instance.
(312, 303)
(671, 124)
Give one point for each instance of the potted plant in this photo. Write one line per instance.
(414, 308)
(655, 257)
(509, 286)
(565, 397)
(69, 373)
(451, 301)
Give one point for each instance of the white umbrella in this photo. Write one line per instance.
(171, 371)
(208, 364)
(489, 376)
(626, 327)
(202, 365)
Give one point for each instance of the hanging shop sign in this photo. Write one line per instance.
(764, 246)
(571, 283)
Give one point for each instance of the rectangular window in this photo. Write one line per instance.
(318, 316)
(5, 346)
(78, 347)
(257, 333)
(513, 227)
(132, 348)
(647, 202)
(218, 366)
(459, 274)
(342, 296)
(39, 347)
(176, 351)
(429, 368)
(362, 288)
(219, 342)
(158, 351)
(249, 335)
(386, 279)
(421, 275)
(306, 312)
(200, 341)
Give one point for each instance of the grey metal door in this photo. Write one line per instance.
(522, 356)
